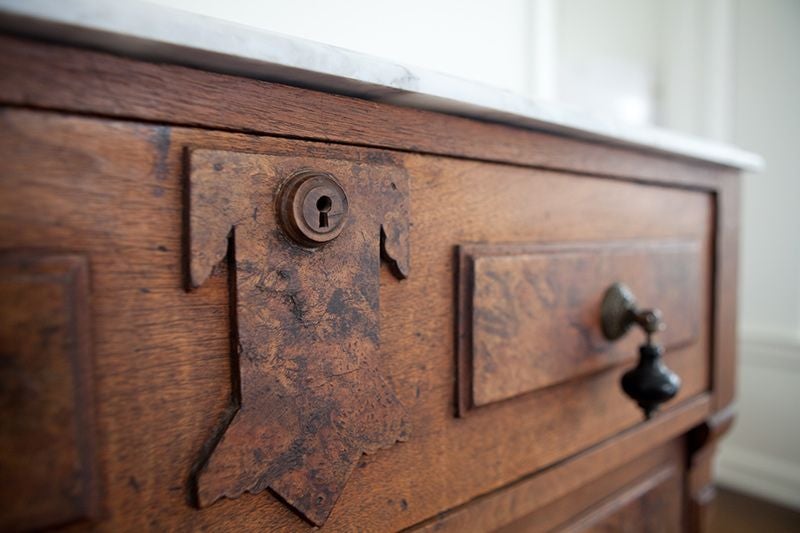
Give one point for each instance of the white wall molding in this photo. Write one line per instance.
(698, 61)
(766, 476)
(761, 456)
(780, 353)
(756, 333)
(542, 38)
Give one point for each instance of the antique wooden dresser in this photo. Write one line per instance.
(231, 304)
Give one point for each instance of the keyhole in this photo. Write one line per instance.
(324, 205)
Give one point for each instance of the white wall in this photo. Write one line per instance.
(763, 451)
(767, 116)
(728, 69)
(473, 39)
(609, 58)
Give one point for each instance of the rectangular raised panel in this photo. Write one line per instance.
(46, 444)
(530, 314)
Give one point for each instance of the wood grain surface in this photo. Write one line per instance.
(113, 190)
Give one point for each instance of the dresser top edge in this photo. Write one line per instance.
(151, 32)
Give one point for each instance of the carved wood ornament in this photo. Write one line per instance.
(309, 395)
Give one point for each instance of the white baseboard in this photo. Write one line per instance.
(759, 475)
(780, 354)
(769, 375)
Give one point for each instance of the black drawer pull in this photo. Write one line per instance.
(650, 383)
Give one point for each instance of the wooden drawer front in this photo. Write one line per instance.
(530, 314)
(114, 192)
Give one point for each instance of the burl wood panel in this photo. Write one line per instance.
(529, 315)
(47, 462)
(114, 189)
(309, 395)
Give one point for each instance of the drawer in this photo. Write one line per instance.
(530, 315)
(646, 495)
(524, 246)
(518, 261)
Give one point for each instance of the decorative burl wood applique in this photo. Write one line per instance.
(310, 396)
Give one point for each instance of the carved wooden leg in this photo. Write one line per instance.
(703, 442)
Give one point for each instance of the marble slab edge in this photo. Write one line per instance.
(157, 33)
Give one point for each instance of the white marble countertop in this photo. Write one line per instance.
(148, 31)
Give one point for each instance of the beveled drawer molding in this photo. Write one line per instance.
(529, 313)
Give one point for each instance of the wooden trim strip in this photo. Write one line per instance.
(501, 507)
(726, 279)
(614, 503)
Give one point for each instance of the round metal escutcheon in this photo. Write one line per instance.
(618, 303)
(312, 207)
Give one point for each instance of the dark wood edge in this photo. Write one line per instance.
(63, 78)
(538, 248)
(540, 488)
(702, 444)
(725, 261)
(710, 430)
(463, 315)
(84, 367)
(76, 282)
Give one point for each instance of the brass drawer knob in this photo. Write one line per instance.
(650, 383)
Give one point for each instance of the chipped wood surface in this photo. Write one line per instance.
(310, 394)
